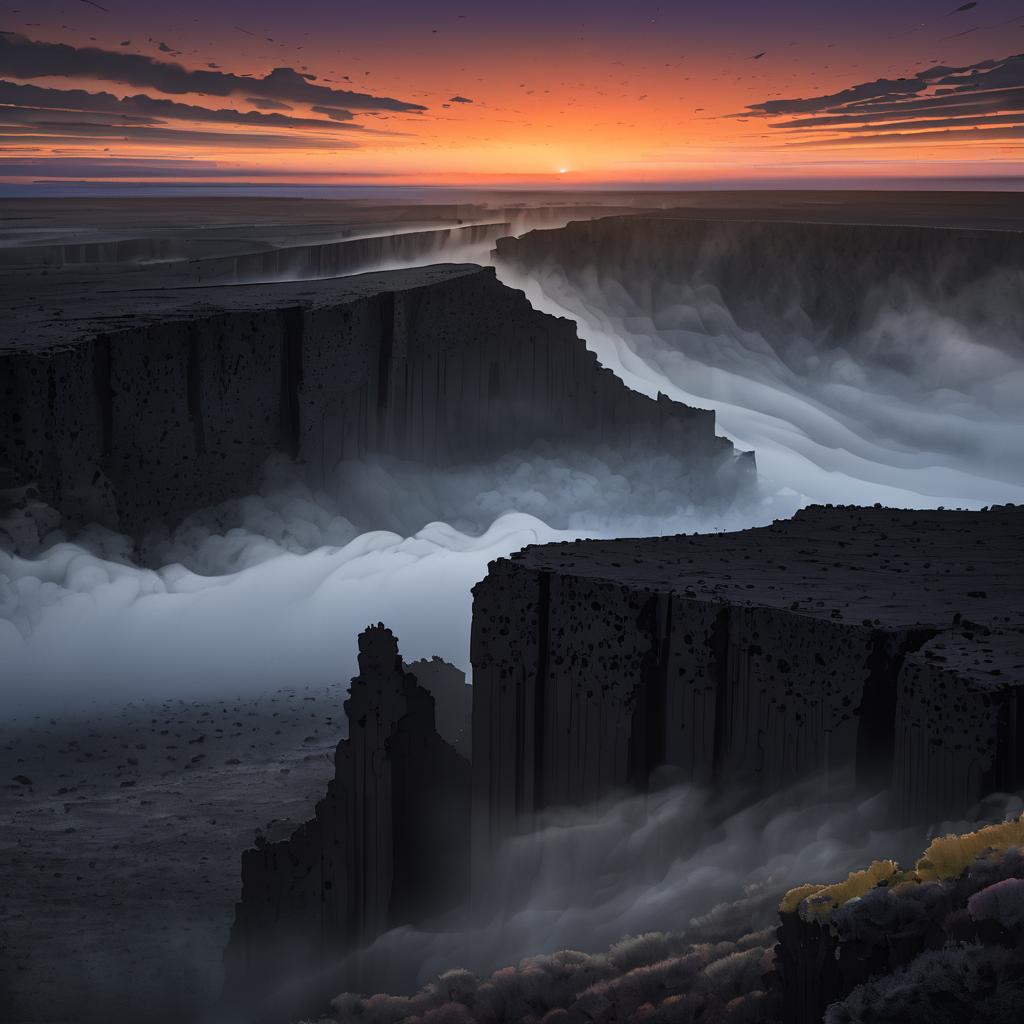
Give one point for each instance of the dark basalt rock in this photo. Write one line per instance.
(388, 846)
(778, 279)
(453, 701)
(236, 261)
(753, 659)
(146, 404)
(960, 720)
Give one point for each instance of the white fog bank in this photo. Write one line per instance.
(922, 408)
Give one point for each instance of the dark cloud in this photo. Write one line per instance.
(114, 167)
(916, 124)
(21, 57)
(334, 113)
(949, 135)
(33, 96)
(58, 132)
(459, 99)
(32, 115)
(937, 104)
(267, 104)
(883, 88)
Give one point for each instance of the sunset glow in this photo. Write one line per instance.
(527, 94)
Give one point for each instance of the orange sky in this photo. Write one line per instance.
(594, 94)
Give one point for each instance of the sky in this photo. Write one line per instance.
(585, 93)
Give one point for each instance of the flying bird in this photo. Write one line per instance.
(99, 7)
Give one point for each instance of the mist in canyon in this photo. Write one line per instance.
(635, 879)
(855, 381)
(908, 395)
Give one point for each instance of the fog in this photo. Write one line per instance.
(920, 406)
(272, 590)
(675, 861)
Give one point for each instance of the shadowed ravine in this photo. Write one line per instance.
(209, 493)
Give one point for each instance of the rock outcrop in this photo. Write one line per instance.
(453, 701)
(960, 909)
(146, 405)
(960, 719)
(751, 660)
(388, 846)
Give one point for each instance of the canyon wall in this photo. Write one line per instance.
(134, 406)
(226, 260)
(827, 279)
(388, 845)
(866, 646)
(333, 259)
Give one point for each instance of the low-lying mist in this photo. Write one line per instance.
(272, 589)
(915, 404)
(675, 861)
(919, 406)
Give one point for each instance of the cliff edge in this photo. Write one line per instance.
(865, 645)
(133, 406)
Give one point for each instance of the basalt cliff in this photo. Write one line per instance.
(867, 648)
(820, 280)
(387, 846)
(861, 645)
(147, 404)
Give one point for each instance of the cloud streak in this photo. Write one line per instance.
(62, 132)
(139, 167)
(24, 58)
(983, 101)
(57, 102)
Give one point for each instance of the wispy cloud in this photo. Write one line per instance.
(983, 101)
(61, 132)
(150, 107)
(141, 167)
(24, 58)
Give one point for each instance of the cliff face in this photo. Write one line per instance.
(388, 844)
(753, 660)
(453, 701)
(821, 280)
(149, 404)
(236, 260)
(960, 719)
(332, 259)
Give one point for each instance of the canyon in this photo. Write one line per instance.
(847, 652)
(148, 404)
(853, 647)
